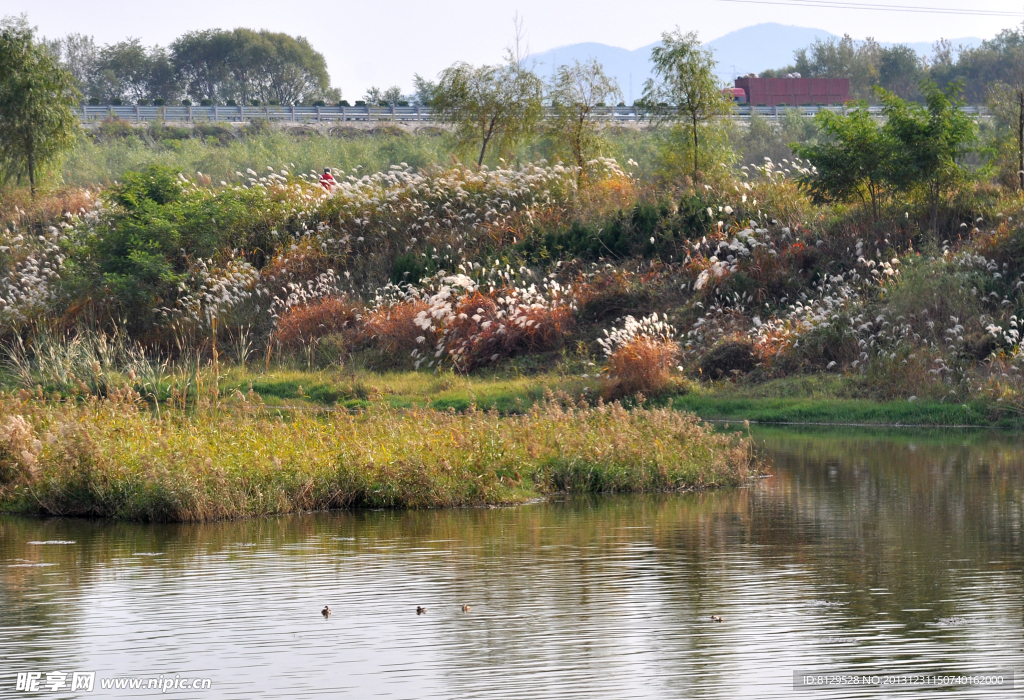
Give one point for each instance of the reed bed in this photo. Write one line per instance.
(114, 458)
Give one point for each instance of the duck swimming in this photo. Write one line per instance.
(716, 618)
(326, 612)
(466, 608)
(420, 609)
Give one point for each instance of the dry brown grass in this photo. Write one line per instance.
(19, 209)
(304, 324)
(644, 365)
(481, 331)
(391, 331)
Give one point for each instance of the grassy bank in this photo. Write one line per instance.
(809, 399)
(841, 411)
(111, 458)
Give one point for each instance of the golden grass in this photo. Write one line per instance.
(111, 458)
(642, 365)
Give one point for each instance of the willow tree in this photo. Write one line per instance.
(576, 92)
(489, 106)
(37, 124)
(686, 89)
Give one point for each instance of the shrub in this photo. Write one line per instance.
(492, 326)
(391, 330)
(640, 356)
(19, 451)
(306, 323)
(729, 357)
(113, 129)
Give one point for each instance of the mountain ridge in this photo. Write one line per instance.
(748, 49)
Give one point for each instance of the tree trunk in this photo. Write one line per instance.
(483, 149)
(1020, 138)
(488, 133)
(694, 115)
(32, 174)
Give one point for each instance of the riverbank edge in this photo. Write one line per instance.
(847, 412)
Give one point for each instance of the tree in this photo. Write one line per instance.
(77, 54)
(900, 70)
(687, 88)
(489, 105)
(244, 65)
(1006, 99)
(424, 90)
(575, 92)
(842, 58)
(201, 61)
(293, 72)
(129, 72)
(929, 141)
(392, 97)
(980, 67)
(852, 163)
(37, 96)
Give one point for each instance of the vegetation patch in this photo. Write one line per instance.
(108, 458)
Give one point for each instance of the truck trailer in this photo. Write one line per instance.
(794, 91)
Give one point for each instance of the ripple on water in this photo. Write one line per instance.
(595, 598)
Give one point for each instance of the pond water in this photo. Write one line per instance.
(864, 552)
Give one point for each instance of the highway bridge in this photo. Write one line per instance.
(94, 114)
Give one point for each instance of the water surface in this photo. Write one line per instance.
(867, 552)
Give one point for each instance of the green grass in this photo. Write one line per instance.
(833, 399)
(840, 411)
(102, 161)
(507, 393)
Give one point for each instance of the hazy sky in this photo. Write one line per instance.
(377, 42)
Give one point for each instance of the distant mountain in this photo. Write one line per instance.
(630, 68)
(753, 49)
(746, 50)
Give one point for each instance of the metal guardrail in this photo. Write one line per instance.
(91, 114)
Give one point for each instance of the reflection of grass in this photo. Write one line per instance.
(238, 458)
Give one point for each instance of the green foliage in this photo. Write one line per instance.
(646, 229)
(245, 65)
(713, 156)
(919, 149)
(900, 71)
(489, 105)
(575, 92)
(37, 126)
(129, 72)
(929, 142)
(853, 163)
(842, 58)
(760, 138)
(686, 88)
(154, 231)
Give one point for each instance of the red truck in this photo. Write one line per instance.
(792, 91)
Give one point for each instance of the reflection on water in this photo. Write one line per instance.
(863, 552)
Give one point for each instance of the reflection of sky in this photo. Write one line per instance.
(876, 568)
